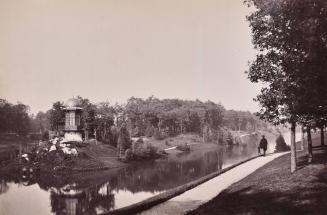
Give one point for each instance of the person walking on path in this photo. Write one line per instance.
(263, 145)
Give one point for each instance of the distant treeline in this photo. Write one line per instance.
(151, 117)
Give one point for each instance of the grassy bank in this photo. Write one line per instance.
(272, 189)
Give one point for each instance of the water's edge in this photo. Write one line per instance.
(162, 197)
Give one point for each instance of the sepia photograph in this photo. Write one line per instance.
(163, 107)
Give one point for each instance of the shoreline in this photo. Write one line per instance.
(169, 194)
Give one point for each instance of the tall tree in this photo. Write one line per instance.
(88, 114)
(57, 115)
(290, 36)
(104, 121)
(14, 117)
(41, 122)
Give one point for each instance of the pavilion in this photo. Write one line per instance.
(73, 130)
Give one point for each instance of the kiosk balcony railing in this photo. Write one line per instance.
(71, 127)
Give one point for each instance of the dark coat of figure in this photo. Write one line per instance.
(263, 145)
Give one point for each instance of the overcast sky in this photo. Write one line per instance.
(113, 49)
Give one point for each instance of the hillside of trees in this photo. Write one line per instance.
(151, 117)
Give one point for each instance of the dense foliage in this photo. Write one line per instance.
(290, 37)
(281, 145)
(151, 117)
(14, 118)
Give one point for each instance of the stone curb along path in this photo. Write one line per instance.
(193, 198)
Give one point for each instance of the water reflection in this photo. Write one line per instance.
(69, 200)
(99, 192)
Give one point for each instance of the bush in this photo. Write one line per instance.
(145, 151)
(124, 140)
(149, 131)
(229, 139)
(281, 145)
(128, 155)
(140, 140)
(136, 132)
(157, 135)
(184, 148)
(45, 135)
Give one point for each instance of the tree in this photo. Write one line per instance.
(14, 117)
(124, 141)
(5, 110)
(172, 116)
(57, 115)
(290, 36)
(41, 122)
(20, 119)
(88, 115)
(104, 120)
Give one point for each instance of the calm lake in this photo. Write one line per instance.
(100, 192)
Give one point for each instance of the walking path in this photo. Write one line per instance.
(201, 194)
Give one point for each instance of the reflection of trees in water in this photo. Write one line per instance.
(170, 173)
(15, 152)
(70, 195)
(89, 201)
(4, 187)
(234, 154)
(90, 193)
(18, 177)
(151, 176)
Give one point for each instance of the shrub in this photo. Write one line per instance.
(184, 148)
(128, 155)
(145, 151)
(229, 139)
(157, 135)
(45, 135)
(140, 140)
(136, 132)
(150, 151)
(149, 131)
(281, 145)
(124, 140)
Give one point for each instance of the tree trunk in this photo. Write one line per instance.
(20, 153)
(302, 138)
(309, 145)
(203, 135)
(293, 148)
(322, 138)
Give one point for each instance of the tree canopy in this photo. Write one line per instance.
(290, 37)
(14, 118)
